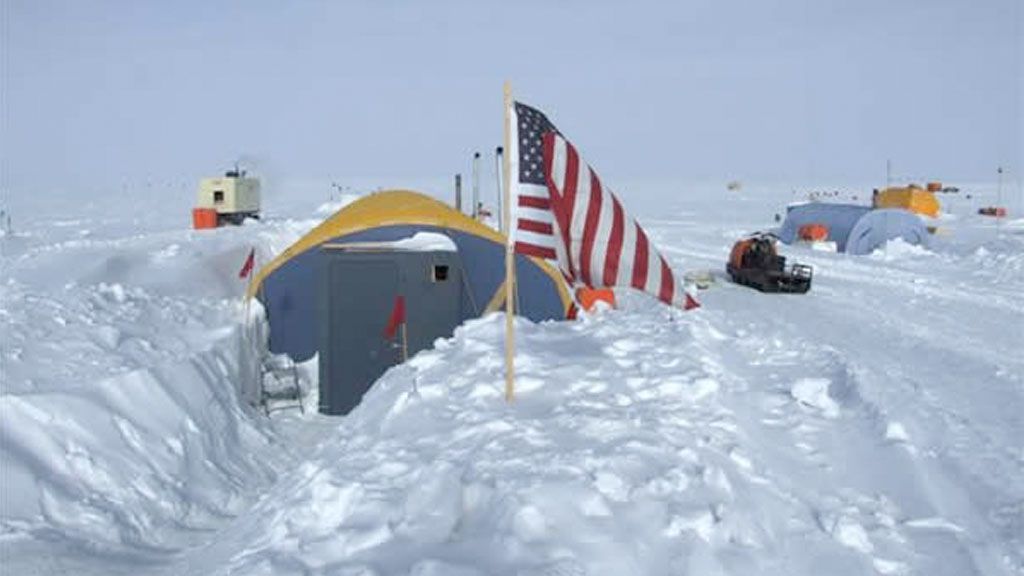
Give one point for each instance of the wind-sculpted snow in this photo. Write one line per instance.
(121, 461)
(871, 426)
(124, 437)
(618, 456)
(642, 442)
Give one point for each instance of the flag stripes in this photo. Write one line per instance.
(534, 222)
(535, 226)
(590, 261)
(563, 212)
(604, 246)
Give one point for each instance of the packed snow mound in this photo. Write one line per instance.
(899, 249)
(127, 460)
(655, 450)
(623, 461)
(424, 242)
(813, 392)
(122, 425)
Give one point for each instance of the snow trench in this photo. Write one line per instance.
(144, 460)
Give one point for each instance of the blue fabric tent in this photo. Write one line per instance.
(855, 229)
(287, 286)
(879, 226)
(838, 218)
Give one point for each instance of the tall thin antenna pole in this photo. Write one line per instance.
(476, 185)
(999, 199)
(510, 268)
(497, 174)
(888, 172)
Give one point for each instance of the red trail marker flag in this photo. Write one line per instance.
(250, 263)
(396, 319)
(561, 211)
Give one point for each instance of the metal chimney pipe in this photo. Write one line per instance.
(497, 174)
(476, 184)
(458, 192)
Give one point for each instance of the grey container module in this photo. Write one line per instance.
(359, 285)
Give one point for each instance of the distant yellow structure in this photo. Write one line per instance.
(912, 197)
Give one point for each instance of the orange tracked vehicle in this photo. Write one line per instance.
(755, 262)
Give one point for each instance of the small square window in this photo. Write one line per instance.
(218, 196)
(440, 273)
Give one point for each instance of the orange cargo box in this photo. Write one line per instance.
(589, 297)
(204, 218)
(813, 232)
(934, 186)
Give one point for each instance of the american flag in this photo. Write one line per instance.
(562, 212)
(534, 221)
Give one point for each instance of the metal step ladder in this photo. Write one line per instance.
(280, 386)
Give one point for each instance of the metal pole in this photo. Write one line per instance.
(497, 174)
(405, 341)
(999, 200)
(476, 185)
(458, 192)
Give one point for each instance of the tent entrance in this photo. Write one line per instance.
(358, 294)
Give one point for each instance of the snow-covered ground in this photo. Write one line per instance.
(872, 426)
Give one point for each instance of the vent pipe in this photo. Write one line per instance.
(498, 152)
(458, 192)
(476, 185)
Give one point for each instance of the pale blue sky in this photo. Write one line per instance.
(99, 93)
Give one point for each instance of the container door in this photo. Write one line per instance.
(359, 295)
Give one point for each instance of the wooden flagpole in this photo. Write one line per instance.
(510, 268)
(250, 338)
(246, 299)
